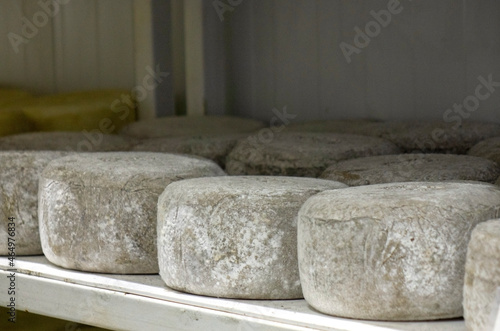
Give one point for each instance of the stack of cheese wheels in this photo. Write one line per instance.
(489, 149)
(482, 278)
(104, 110)
(233, 237)
(412, 168)
(12, 118)
(391, 251)
(98, 210)
(301, 154)
(215, 148)
(67, 141)
(191, 126)
(433, 137)
(19, 198)
(352, 126)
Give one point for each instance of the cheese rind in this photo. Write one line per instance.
(489, 149)
(482, 277)
(19, 198)
(412, 168)
(98, 210)
(300, 154)
(233, 237)
(391, 251)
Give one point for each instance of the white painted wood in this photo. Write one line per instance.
(195, 57)
(144, 54)
(135, 302)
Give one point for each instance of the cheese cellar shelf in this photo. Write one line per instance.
(143, 302)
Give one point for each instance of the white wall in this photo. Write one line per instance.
(286, 53)
(87, 44)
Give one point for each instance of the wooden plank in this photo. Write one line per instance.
(195, 54)
(390, 66)
(438, 43)
(482, 47)
(342, 83)
(76, 46)
(296, 56)
(115, 44)
(12, 71)
(144, 54)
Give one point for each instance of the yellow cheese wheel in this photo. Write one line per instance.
(104, 110)
(11, 96)
(13, 121)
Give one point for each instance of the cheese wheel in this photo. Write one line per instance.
(489, 149)
(300, 154)
(87, 141)
(482, 277)
(19, 199)
(191, 126)
(233, 237)
(104, 110)
(98, 210)
(13, 121)
(215, 148)
(412, 168)
(391, 251)
(12, 96)
(433, 136)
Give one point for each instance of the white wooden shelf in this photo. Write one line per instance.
(143, 302)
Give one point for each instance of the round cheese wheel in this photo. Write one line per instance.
(433, 136)
(9, 97)
(215, 148)
(13, 121)
(67, 141)
(19, 199)
(482, 277)
(233, 237)
(300, 154)
(391, 251)
(489, 149)
(98, 210)
(412, 168)
(107, 111)
(191, 126)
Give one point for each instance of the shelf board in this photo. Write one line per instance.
(143, 302)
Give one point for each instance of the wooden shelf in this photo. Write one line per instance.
(143, 302)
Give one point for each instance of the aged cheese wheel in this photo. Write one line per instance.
(12, 96)
(482, 277)
(87, 141)
(391, 251)
(300, 154)
(352, 126)
(19, 198)
(489, 149)
(215, 148)
(104, 110)
(13, 121)
(433, 136)
(233, 237)
(98, 210)
(412, 168)
(191, 126)
(498, 181)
